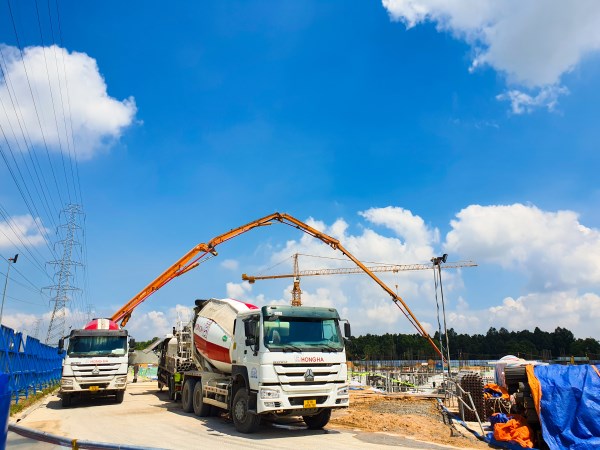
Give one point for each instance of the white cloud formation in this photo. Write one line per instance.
(21, 322)
(158, 323)
(405, 238)
(22, 229)
(578, 313)
(238, 291)
(532, 43)
(522, 102)
(63, 84)
(230, 264)
(553, 249)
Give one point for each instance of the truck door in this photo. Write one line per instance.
(252, 344)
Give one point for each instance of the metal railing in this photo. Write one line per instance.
(30, 365)
(455, 392)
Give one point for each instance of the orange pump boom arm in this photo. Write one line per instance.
(193, 258)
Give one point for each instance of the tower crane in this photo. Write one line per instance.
(296, 291)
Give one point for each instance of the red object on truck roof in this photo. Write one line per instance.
(101, 324)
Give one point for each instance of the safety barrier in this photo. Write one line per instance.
(30, 365)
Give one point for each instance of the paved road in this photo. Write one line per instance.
(147, 418)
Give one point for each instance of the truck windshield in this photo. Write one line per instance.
(302, 334)
(97, 346)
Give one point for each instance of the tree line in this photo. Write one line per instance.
(492, 345)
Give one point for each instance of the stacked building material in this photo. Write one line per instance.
(473, 384)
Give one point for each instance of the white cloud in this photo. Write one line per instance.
(532, 43)
(567, 309)
(522, 102)
(22, 229)
(553, 249)
(406, 225)
(182, 313)
(97, 119)
(230, 264)
(20, 322)
(404, 239)
(238, 291)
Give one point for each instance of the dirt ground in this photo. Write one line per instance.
(418, 418)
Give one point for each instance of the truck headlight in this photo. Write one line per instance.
(269, 393)
(66, 382)
(342, 390)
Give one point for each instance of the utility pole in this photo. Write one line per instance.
(64, 276)
(13, 260)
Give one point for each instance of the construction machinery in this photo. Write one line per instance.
(254, 362)
(297, 292)
(204, 251)
(96, 362)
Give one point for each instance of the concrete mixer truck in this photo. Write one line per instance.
(252, 362)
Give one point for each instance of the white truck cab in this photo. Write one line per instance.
(96, 362)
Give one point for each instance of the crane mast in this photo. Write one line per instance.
(202, 251)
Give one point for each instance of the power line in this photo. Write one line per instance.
(33, 98)
(24, 131)
(52, 101)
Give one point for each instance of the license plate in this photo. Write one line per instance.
(94, 388)
(310, 403)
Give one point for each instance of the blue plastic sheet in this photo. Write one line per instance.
(570, 406)
(4, 408)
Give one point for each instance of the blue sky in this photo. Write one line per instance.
(405, 128)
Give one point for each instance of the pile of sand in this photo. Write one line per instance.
(418, 418)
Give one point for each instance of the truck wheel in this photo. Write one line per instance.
(319, 420)
(201, 409)
(243, 419)
(120, 396)
(187, 395)
(66, 400)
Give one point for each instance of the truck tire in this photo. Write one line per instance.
(243, 419)
(187, 395)
(120, 396)
(319, 420)
(66, 400)
(201, 409)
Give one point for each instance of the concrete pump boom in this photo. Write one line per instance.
(193, 258)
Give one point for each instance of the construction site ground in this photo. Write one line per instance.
(412, 416)
(148, 419)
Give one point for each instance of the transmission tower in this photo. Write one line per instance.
(64, 276)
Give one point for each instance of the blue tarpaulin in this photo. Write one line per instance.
(570, 406)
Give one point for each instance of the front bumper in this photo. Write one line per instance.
(97, 386)
(301, 401)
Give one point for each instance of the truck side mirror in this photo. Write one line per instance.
(249, 328)
(347, 331)
(131, 345)
(61, 344)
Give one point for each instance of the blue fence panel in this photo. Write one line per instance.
(30, 365)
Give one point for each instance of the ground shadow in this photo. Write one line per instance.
(222, 425)
(83, 402)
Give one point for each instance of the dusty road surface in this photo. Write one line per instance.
(147, 418)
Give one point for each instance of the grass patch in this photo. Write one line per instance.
(25, 403)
